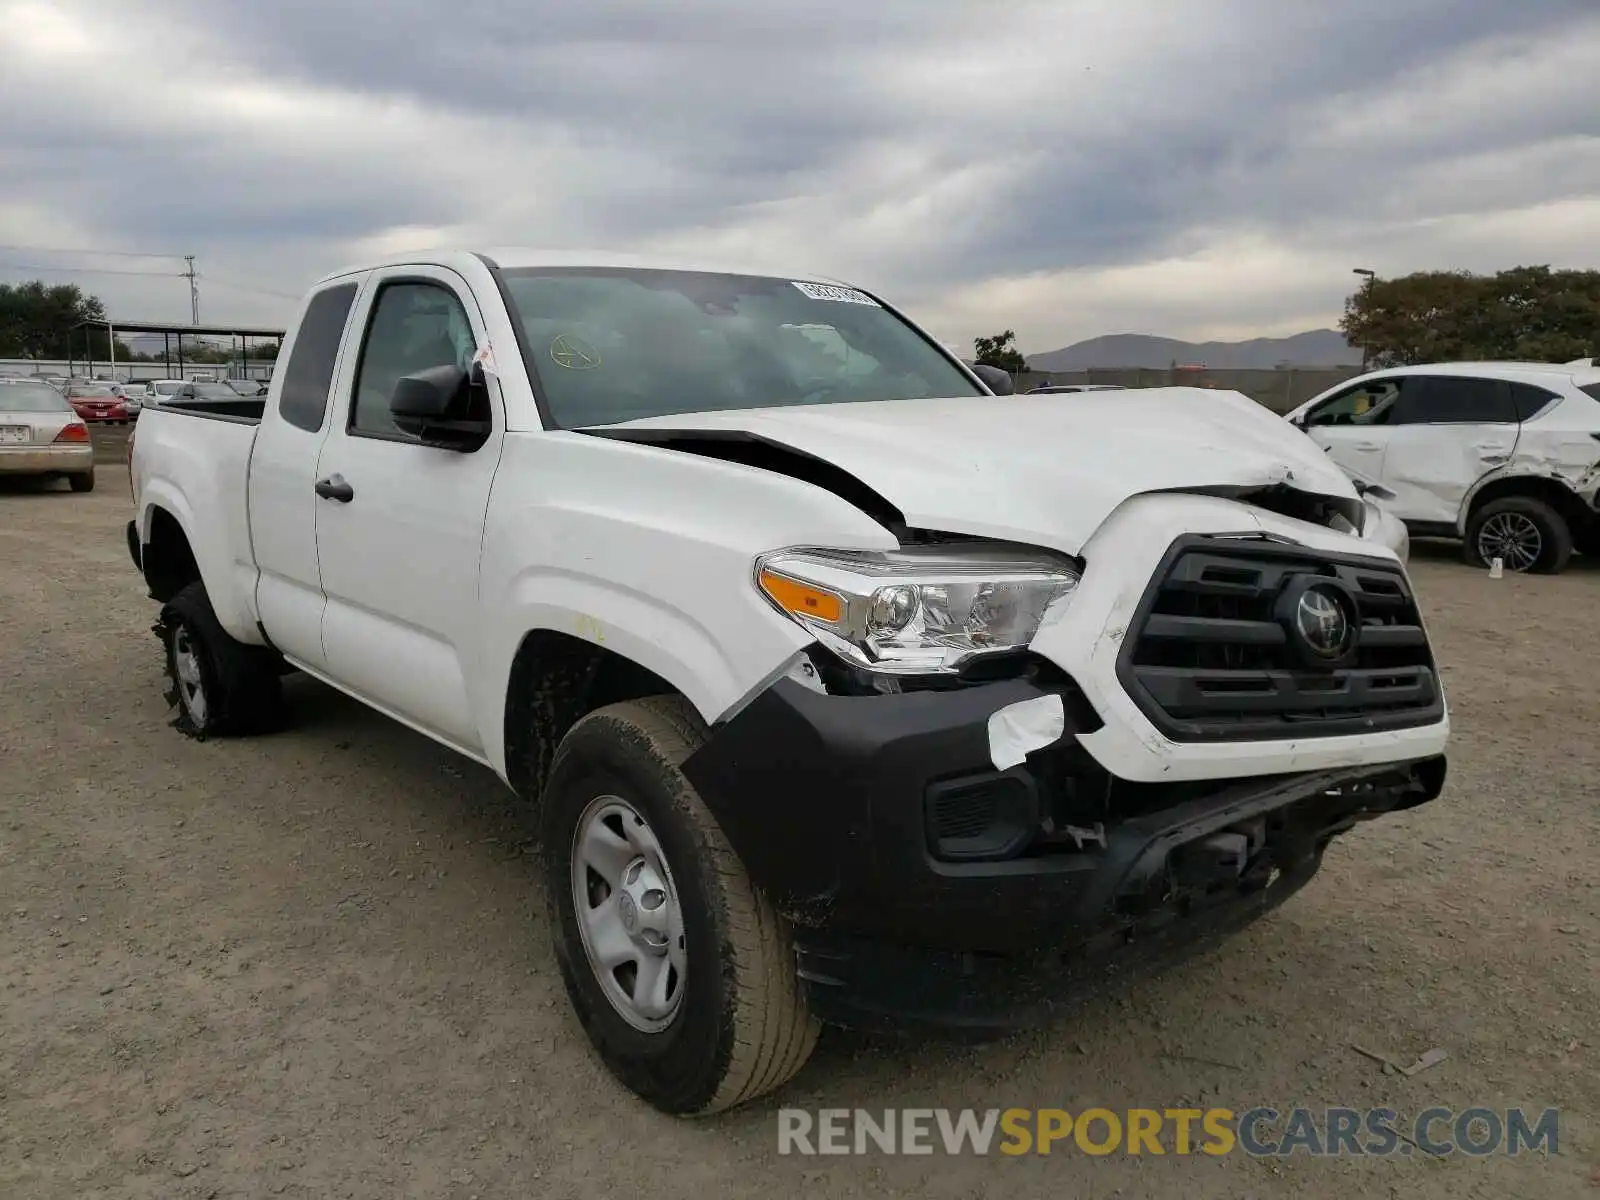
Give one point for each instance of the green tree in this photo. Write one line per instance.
(1000, 351)
(1532, 314)
(37, 321)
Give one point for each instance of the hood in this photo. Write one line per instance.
(1039, 469)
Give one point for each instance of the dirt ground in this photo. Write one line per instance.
(315, 964)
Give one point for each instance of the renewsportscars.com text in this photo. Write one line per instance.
(1258, 1132)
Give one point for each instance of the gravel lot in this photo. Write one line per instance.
(315, 964)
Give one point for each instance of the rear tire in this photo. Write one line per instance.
(219, 686)
(1526, 534)
(83, 482)
(738, 1026)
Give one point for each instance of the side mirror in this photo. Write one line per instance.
(446, 406)
(997, 381)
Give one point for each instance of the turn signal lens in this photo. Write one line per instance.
(76, 432)
(800, 599)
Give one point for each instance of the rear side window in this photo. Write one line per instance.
(308, 378)
(1455, 400)
(1530, 401)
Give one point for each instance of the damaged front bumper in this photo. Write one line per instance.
(926, 885)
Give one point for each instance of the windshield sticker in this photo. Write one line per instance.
(485, 359)
(573, 353)
(829, 291)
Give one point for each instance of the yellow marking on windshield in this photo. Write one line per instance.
(573, 353)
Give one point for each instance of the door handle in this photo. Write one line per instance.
(335, 488)
(1366, 446)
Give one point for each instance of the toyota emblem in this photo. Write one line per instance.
(1323, 624)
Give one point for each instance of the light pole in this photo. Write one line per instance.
(1371, 278)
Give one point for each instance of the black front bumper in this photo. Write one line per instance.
(833, 804)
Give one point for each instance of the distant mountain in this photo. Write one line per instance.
(1315, 348)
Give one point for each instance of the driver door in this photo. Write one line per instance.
(399, 524)
(1352, 425)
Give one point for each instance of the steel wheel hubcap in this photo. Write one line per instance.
(1511, 537)
(629, 916)
(191, 685)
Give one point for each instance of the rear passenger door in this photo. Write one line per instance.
(1447, 433)
(283, 472)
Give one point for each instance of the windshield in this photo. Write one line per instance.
(31, 397)
(166, 387)
(610, 345)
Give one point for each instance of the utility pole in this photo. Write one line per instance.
(1371, 278)
(194, 290)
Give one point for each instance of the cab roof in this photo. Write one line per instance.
(514, 257)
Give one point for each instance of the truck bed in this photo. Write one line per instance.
(193, 460)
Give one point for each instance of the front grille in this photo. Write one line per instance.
(1208, 659)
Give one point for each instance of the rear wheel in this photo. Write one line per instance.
(83, 482)
(679, 969)
(220, 686)
(1526, 534)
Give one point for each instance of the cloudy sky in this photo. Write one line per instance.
(1203, 168)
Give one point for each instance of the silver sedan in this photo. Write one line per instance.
(41, 435)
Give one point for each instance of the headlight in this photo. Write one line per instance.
(917, 611)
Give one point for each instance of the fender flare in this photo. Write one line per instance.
(212, 561)
(666, 641)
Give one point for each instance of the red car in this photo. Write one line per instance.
(97, 403)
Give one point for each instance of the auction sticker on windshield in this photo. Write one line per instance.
(829, 291)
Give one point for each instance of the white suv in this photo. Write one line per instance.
(1505, 456)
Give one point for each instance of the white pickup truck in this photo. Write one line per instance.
(851, 688)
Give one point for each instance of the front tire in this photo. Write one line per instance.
(1527, 535)
(669, 916)
(220, 687)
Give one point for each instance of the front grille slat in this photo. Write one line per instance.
(1196, 694)
(1207, 658)
(1220, 630)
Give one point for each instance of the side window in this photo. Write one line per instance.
(1457, 400)
(309, 376)
(1530, 401)
(413, 327)
(1368, 403)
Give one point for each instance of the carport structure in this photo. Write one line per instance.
(172, 338)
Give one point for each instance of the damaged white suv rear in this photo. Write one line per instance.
(849, 690)
(1503, 456)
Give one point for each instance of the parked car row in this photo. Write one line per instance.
(119, 403)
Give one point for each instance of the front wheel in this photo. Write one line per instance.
(1523, 533)
(679, 969)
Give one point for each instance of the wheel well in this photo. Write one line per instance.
(556, 680)
(168, 562)
(1539, 487)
